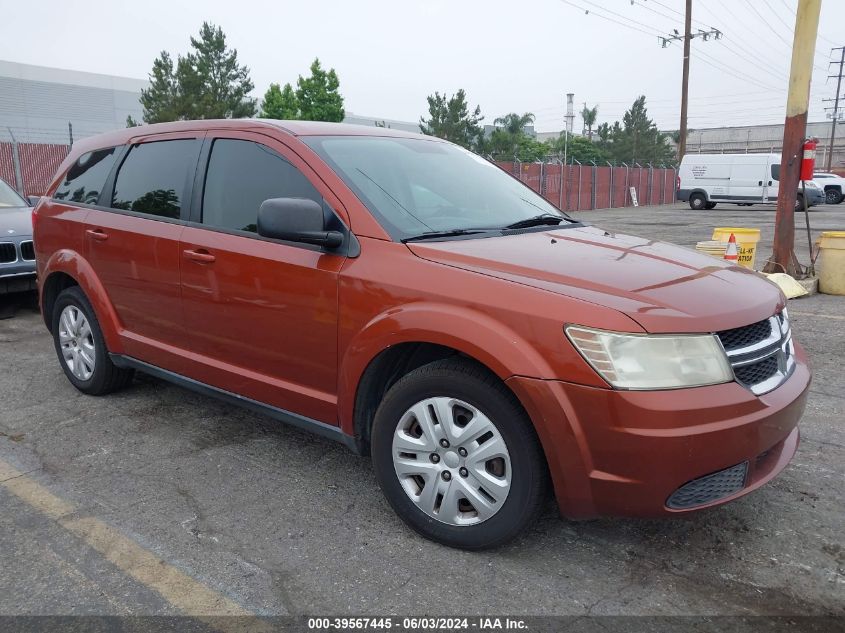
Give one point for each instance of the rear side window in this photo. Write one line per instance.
(241, 175)
(152, 179)
(85, 179)
(775, 172)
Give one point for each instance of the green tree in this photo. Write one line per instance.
(451, 119)
(207, 83)
(279, 103)
(318, 96)
(636, 139)
(580, 148)
(509, 138)
(589, 115)
(161, 99)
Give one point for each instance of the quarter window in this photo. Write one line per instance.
(775, 172)
(85, 179)
(152, 178)
(241, 175)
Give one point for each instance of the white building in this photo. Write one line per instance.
(37, 103)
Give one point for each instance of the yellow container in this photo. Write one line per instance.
(746, 242)
(832, 262)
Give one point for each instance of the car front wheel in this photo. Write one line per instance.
(832, 196)
(457, 457)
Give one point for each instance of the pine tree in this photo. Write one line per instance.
(207, 83)
(451, 119)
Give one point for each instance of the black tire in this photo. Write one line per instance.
(106, 376)
(832, 196)
(475, 385)
(697, 202)
(711, 205)
(799, 203)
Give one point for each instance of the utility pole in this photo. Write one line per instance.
(836, 113)
(795, 127)
(682, 134)
(687, 37)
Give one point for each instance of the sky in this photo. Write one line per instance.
(517, 56)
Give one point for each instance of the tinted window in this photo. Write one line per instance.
(152, 178)
(86, 177)
(775, 172)
(241, 175)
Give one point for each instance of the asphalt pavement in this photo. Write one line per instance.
(156, 500)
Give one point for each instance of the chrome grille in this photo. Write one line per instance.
(27, 251)
(761, 354)
(7, 253)
(740, 337)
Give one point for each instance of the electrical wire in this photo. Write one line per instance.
(587, 11)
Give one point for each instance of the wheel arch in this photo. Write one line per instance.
(67, 268)
(399, 341)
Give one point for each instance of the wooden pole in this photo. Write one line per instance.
(803, 47)
(682, 134)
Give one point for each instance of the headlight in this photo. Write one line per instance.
(642, 361)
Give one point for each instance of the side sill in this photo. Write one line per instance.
(293, 419)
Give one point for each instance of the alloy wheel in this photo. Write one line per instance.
(77, 342)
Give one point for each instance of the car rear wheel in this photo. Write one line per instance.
(832, 196)
(711, 205)
(697, 201)
(81, 348)
(457, 457)
(799, 203)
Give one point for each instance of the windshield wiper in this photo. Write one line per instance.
(538, 220)
(430, 235)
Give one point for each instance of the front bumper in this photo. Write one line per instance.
(627, 452)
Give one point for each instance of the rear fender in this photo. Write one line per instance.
(76, 266)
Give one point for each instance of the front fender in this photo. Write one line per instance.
(73, 264)
(464, 329)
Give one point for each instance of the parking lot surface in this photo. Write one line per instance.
(157, 500)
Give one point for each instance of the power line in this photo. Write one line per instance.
(624, 17)
(587, 12)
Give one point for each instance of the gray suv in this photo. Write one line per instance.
(17, 255)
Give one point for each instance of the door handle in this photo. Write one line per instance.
(202, 256)
(97, 234)
(759, 183)
(770, 183)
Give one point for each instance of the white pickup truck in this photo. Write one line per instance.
(834, 186)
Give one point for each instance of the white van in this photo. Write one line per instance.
(744, 179)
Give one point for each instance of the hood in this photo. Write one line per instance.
(663, 287)
(18, 220)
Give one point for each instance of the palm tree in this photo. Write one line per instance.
(590, 115)
(513, 123)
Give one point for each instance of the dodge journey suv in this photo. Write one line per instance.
(411, 300)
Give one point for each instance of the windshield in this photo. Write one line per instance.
(9, 197)
(415, 186)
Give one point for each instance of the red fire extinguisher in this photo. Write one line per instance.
(808, 162)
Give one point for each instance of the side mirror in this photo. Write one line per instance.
(33, 200)
(296, 220)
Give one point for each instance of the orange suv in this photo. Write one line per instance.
(411, 300)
